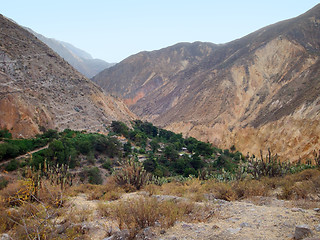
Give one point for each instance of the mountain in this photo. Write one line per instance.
(257, 92)
(79, 59)
(39, 89)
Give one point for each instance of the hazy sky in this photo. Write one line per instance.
(115, 29)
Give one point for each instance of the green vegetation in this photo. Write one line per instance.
(4, 133)
(12, 148)
(161, 153)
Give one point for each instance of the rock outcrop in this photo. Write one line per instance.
(40, 89)
(257, 92)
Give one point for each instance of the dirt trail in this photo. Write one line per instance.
(25, 155)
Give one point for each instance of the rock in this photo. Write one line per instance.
(186, 226)
(173, 238)
(297, 210)
(214, 227)
(233, 230)
(120, 235)
(317, 209)
(302, 231)
(233, 219)
(145, 234)
(5, 236)
(162, 231)
(244, 224)
(169, 198)
(209, 197)
(317, 228)
(108, 238)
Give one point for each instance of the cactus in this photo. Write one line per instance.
(132, 173)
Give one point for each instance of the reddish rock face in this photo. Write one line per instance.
(38, 88)
(257, 92)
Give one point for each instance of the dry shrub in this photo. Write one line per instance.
(302, 190)
(249, 188)
(51, 195)
(16, 193)
(136, 214)
(305, 204)
(152, 189)
(173, 188)
(308, 174)
(194, 190)
(79, 215)
(132, 176)
(5, 223)
(103, 209)
(316, 184)
(31, 220)
(224, 191)
(110, 191)
(287, 191)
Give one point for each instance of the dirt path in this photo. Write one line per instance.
(26, 155)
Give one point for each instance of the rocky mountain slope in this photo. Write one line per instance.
(257, 92)
(38, 88)
(79, 59)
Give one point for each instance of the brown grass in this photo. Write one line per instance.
(136, 214)
(110, 191)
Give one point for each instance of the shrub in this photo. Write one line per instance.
(3, 182)
(249, 188)
(12, 165)
(107, 165)
(92, 174)
(4, 133)
(132, 174)
(141, 212)
(224, 191)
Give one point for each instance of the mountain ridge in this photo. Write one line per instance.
(251, 92)
(39, 89)
(78, 58)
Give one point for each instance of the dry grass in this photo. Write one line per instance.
(139, 213)
(110, 191)
(33, 217)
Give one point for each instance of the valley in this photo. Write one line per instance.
(191, 141)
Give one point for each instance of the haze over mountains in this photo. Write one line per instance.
(40, 89)
(257, 92)
(79, 59)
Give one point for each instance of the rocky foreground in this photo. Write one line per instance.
(258, 218)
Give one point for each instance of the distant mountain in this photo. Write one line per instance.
(258, 92)
(79, 59)
(39, 89)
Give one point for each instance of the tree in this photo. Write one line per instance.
(120, 128)
(127, 148)
(196, 162)
(170, 153)
(154, 145)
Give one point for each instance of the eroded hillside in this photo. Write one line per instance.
(39, 88)
(257, 92)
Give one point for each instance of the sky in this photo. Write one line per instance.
(115, 29)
